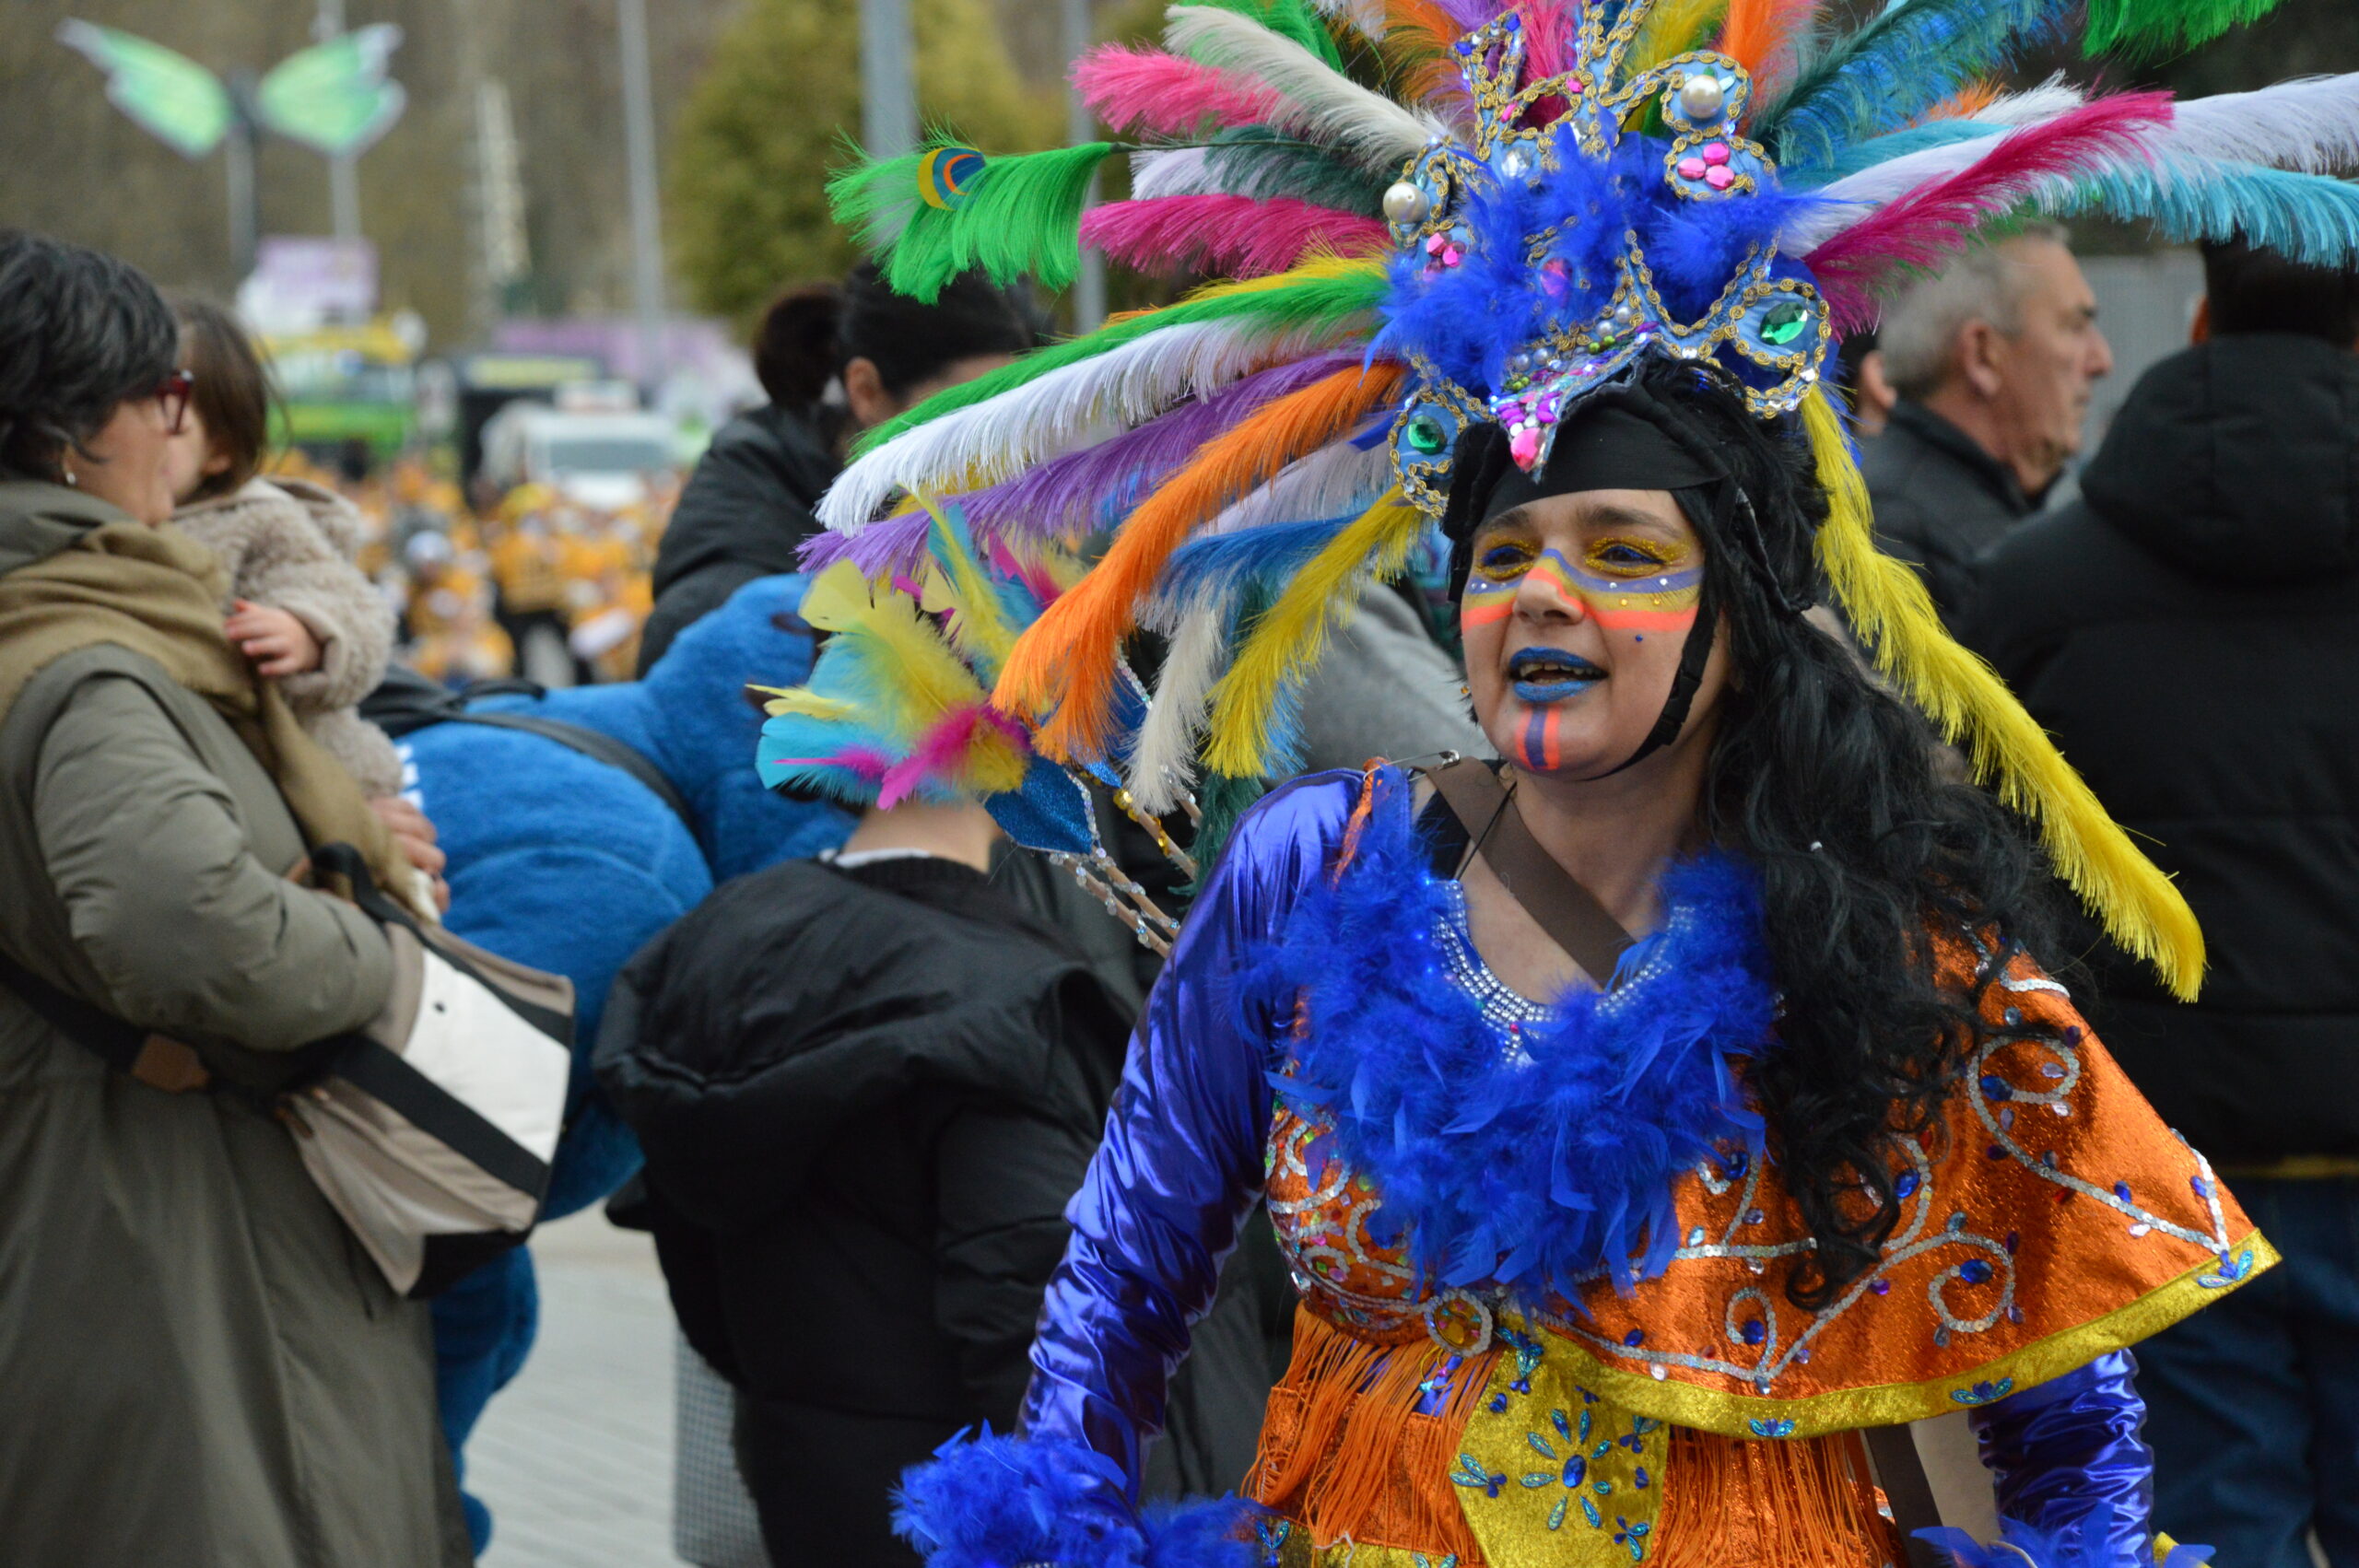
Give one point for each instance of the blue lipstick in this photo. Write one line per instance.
(1543, 676)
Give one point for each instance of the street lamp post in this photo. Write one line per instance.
(646, 232)
(888, 98)
(344, 168)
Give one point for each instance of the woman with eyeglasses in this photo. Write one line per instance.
(200, 1366)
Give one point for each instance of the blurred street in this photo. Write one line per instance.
(575, 1457)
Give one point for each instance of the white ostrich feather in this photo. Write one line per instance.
(1162, 763)
(1065, 410)
(1179, 171)
(1371, 129)
(2033, 105)
(1856, 197)
(1337, 478)
(2311, 125)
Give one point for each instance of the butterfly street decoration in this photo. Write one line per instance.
(334, 97)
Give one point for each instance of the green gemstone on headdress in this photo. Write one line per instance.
(1784, 324)
(1425, 435)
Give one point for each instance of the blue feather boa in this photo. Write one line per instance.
(1005, 1502)
(2083, 1543)
(1535, 1174)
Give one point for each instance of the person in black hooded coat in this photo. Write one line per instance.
(866, 1089)
(2190, 632)
(834, 360)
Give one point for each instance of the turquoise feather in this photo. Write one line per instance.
(1894, 69)
(2311, 217)
(1866, 155)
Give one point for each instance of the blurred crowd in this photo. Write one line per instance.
(524, 582)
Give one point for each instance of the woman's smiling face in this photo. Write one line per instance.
(1575, 615)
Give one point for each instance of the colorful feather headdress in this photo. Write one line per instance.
(1552, 190)
(899, 704)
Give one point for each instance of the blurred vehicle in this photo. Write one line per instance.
(598, 460)
(466, 393)
(344, 384)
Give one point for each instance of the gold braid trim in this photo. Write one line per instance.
(1844, 1410)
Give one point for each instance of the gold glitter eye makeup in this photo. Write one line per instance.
(1500, 562)
(1632, 557)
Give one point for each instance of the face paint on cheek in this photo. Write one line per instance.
(1665, 602)
(1485, 602)
(1536, 747)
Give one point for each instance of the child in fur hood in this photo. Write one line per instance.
(299, 608)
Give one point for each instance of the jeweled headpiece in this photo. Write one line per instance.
(1523, 280)
(1548, 192)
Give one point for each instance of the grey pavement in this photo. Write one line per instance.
(575, 1457)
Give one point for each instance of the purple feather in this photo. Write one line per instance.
(822, 550)
(1088, 489)
(890, 544)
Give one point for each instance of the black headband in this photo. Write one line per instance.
(1603, 446)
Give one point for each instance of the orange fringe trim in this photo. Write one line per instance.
(1804, 1504)
(1346, 1453)
(1068, 657)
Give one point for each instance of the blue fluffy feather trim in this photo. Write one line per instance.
(2086, 1543)
(1544, 1169)
(1005, 1502)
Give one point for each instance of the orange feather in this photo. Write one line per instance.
(1421, 25)
(1964, 104)
(1067, 659)
(1763, 35)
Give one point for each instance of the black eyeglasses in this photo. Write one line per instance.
(172, 395)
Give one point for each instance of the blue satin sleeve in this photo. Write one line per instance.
(1182, 1161)
(2068, 1453)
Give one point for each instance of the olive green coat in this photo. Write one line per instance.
(198, 1365)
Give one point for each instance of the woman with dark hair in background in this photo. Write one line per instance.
(202, 1367)
(836, 360)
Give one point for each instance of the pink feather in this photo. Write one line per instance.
(1551, 37)
(1924, 227)
(1034, 577)
(861, 762)
(1238, 236)
(941, 751)
(1151, 90)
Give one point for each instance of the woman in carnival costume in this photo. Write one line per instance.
(1608, 1249)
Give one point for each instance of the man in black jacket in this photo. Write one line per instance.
(2190, 632)
(1993, 360)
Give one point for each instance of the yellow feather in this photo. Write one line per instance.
(1314, 269)
(837, 598)
(1288, 637)
(917, 678)
(1674, 27)
(808, 703)
(1966, 699)
(979, 625)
